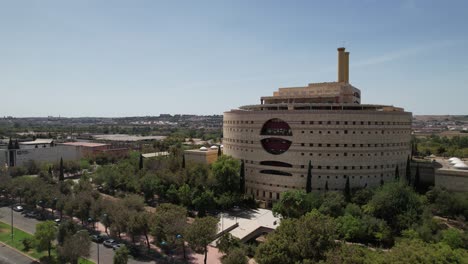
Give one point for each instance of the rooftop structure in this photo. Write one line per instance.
(155, 154)
(323, 124)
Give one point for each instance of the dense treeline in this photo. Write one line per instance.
(393, 216)
(456, 146)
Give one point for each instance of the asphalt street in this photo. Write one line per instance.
(106, 255)
(10, 256)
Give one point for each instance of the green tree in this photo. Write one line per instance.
(347, 191)
(74, 247)
(169, 221)
(309, 178)
(454, 238)
(235, 256)
(61, 173)
(185, 195)
(140, 162)
(45, 234)
(397, 173)
(333, 204)
(227, 242)
(201, 233)
(242, 177)
(292, 204)
(397, 204)
(326, 186)
(352, 254)
(121, 255)
(203, 202)
(226, 172)
(183, 161)
(303, 240)
(417, 177)
(408, 171)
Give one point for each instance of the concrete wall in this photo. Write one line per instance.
(197, 156)
(452, 180)
(426, 172)
(52, 154)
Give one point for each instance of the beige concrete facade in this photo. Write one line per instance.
(201, 156)
(452, 180)
(277, 139)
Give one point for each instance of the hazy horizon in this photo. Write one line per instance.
(145, 58)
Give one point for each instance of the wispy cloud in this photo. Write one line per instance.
(403, 53)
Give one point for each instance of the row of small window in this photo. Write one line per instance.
(233, 122)
(328, 145)
(345, 154)
(355, 123)
(238, 122)
(354, 132)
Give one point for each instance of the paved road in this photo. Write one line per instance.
(10, 256)
(106, 255)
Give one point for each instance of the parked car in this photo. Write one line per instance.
(18, 208)
(97, 238)
(30, 214)
(117, 246)
(109, 243)
(57, 221)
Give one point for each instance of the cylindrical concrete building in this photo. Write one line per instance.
(323, 123)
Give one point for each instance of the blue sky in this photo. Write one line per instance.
(136, 58)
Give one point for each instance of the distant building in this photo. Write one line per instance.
(155, 154)
(202, 155)
(324, 124)
(39, 150)
(88, 148)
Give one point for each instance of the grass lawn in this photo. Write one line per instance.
(19, 235)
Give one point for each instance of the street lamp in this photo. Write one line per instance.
(179, 236)
(54, 205)
(12, 204)
(105, 221)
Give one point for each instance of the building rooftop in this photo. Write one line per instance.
(128, 138)
(155, 154)
(85, 144)
(38, 141)
(250, 223)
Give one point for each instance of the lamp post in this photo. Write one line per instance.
(179, 236)
(54, 205)
(97, 242)
(12, 204)
(105, 221)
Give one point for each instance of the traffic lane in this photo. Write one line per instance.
(19, 220)
(10, 256)
(106, 255)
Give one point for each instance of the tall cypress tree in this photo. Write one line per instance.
(416, 178)
(10, 144)
(183, 161)
(381, 182)
(326, 186)
(16, 144)
(219, 151)
(242, 178)
(408, 171)
(140, 165)
(347, 191)
(309, 178)
(397, 173)
(61, 174)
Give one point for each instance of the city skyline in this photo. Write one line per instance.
(115, 59)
